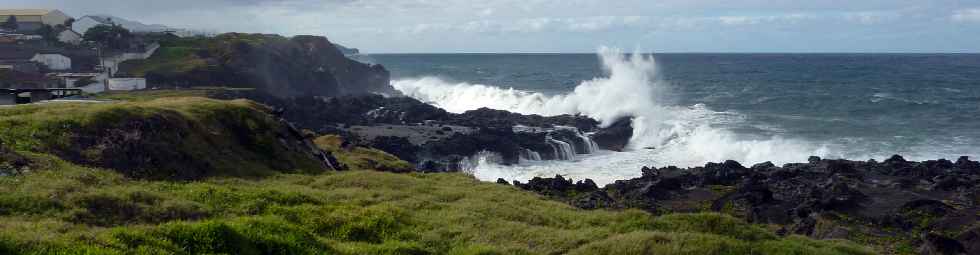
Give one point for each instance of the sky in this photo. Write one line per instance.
(566, 26)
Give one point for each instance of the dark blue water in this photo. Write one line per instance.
(919, 105)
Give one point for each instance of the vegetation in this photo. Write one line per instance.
(110, 36)
(167, 138)
(55, 206)
(167, 61)
(361, 158)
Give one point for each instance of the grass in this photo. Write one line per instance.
(73, 210)
(160, 138)
(166, 61)
(361, 158)
(61, 207)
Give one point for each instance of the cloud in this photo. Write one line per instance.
(561, 25)
(872, 17)
(754, 20)
(966, 15)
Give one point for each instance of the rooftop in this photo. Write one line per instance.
(9, 53)
(24, 12)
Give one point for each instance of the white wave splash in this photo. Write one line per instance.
(682, 135)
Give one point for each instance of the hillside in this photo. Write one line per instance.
(258, 194)
(282, 66)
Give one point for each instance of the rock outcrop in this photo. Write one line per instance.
(163, 140)
(932, 204)
(283, 67)
(431, 137)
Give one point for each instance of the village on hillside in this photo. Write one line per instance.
(46, 54)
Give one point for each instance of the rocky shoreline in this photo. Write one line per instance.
(932, 206)
(900, 206)
(439, 141)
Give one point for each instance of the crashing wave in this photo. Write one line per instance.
(683, 135)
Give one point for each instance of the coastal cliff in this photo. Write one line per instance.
(281, 66)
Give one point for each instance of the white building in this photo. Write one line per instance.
(53, 61)
(85, 23)
(32, 19)
(70, 37)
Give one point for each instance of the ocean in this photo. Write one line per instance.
(696, 108)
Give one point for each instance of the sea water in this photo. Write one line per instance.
(690, 109)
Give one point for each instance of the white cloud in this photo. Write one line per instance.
(966, 15)
(872, 17)
(754, 20)
(554, 25)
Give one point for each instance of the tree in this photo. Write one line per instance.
(47, 32)
(10, 24)
(111, 36)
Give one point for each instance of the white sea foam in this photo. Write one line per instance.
(681, 135)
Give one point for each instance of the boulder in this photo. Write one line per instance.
(615, 137)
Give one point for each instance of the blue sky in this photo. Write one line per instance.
(575, 25)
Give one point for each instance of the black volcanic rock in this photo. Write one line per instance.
(934, 205)
(490, 118)
(616, 136)
(486, 129)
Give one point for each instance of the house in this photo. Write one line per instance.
(70, 37)
(83, 24)
(32, 19)
(54, 61)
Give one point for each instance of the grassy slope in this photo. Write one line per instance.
(167, 60)
(230, 137)
(59, 207)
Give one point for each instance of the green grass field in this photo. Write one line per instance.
(57, 207)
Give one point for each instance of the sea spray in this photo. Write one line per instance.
(682, 135)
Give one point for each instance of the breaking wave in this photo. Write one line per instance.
(679, 135)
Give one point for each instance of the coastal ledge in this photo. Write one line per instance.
(900, 206)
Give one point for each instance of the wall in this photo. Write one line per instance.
(127, 83)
